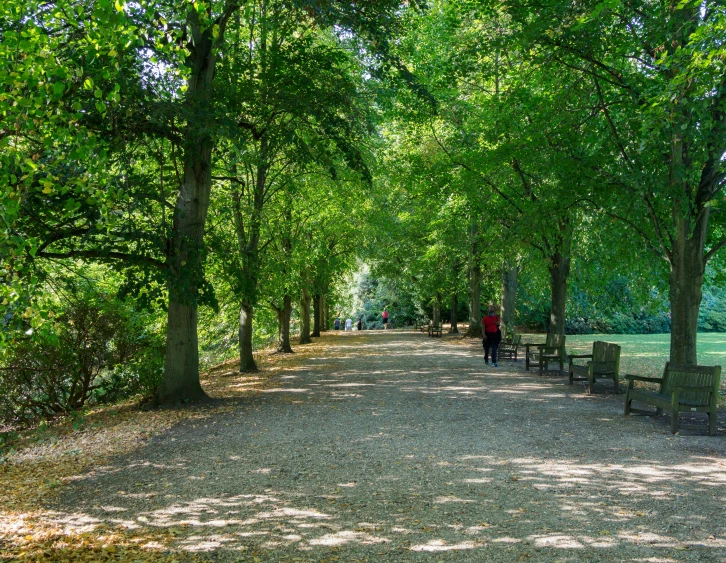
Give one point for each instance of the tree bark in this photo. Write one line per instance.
(316, 315)
(437, 309)
(283, 326)
(474, 330)
(688, 265)
(324, 313)
(509, 292)
(180, 382)
(687, 256)
(248, 241)
(246, 359)
(305, 316)
(454, 306)
(559, 272)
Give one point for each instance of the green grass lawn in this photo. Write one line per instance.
(646, 354)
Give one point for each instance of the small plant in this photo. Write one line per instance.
(78, 419)
(41, 432)
(6, 441)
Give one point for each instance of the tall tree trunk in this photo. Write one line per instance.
(474, 330)
(283, 326)
(437, 309)
(305, 316)
(559, 271)
(688, 265)
(316, 315)
(248, 241)
(454, 307)
(690, 215)
(246, 359)
(559, 268)
(474, 292)
(324, 313)
(509, 292)
(180, 382)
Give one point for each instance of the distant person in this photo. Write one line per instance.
(492, 335)
(348, 325)
(336, 324)
(385, 318)
(360, 323)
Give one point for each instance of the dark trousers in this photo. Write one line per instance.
(492, 341)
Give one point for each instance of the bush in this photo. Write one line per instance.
(100, 353)
(619, 323)
(712, 316)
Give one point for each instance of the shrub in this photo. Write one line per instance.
(712, 316)
(100, 353)
(619, 323)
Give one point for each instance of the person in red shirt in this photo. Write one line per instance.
(385, 317)
(492, 335)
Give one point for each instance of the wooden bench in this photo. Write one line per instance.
(681, 389)
(435, 330)
(604, 364)
(424, 326)
(510, 347)
(553, 350)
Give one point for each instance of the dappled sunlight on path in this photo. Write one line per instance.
(397, 447)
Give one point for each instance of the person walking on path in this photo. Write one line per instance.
(360, 323)
(492, 335)
(385, 318)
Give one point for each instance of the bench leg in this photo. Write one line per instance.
(540, 365)
(616, 383)
(674, 421)
(628, 400)
(570, 380)
(674, 411)
(712, 423)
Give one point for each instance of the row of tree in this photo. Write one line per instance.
(201, 150)
(591, 133)
(239, 155)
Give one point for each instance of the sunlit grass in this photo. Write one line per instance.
(646, 354)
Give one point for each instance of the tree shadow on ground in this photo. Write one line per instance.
(395, 447)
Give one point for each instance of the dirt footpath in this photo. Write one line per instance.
(398, 447)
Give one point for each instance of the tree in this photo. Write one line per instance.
(292, 95)
(657, 80)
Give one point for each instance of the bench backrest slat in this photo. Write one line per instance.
(554, 342)
(605, 357)
(692, 376)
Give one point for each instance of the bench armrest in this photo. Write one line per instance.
(573, 356)
(531, 344)
(632, 377)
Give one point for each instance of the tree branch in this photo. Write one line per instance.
(714, 249)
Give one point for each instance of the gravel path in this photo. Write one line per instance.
(397, 447)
